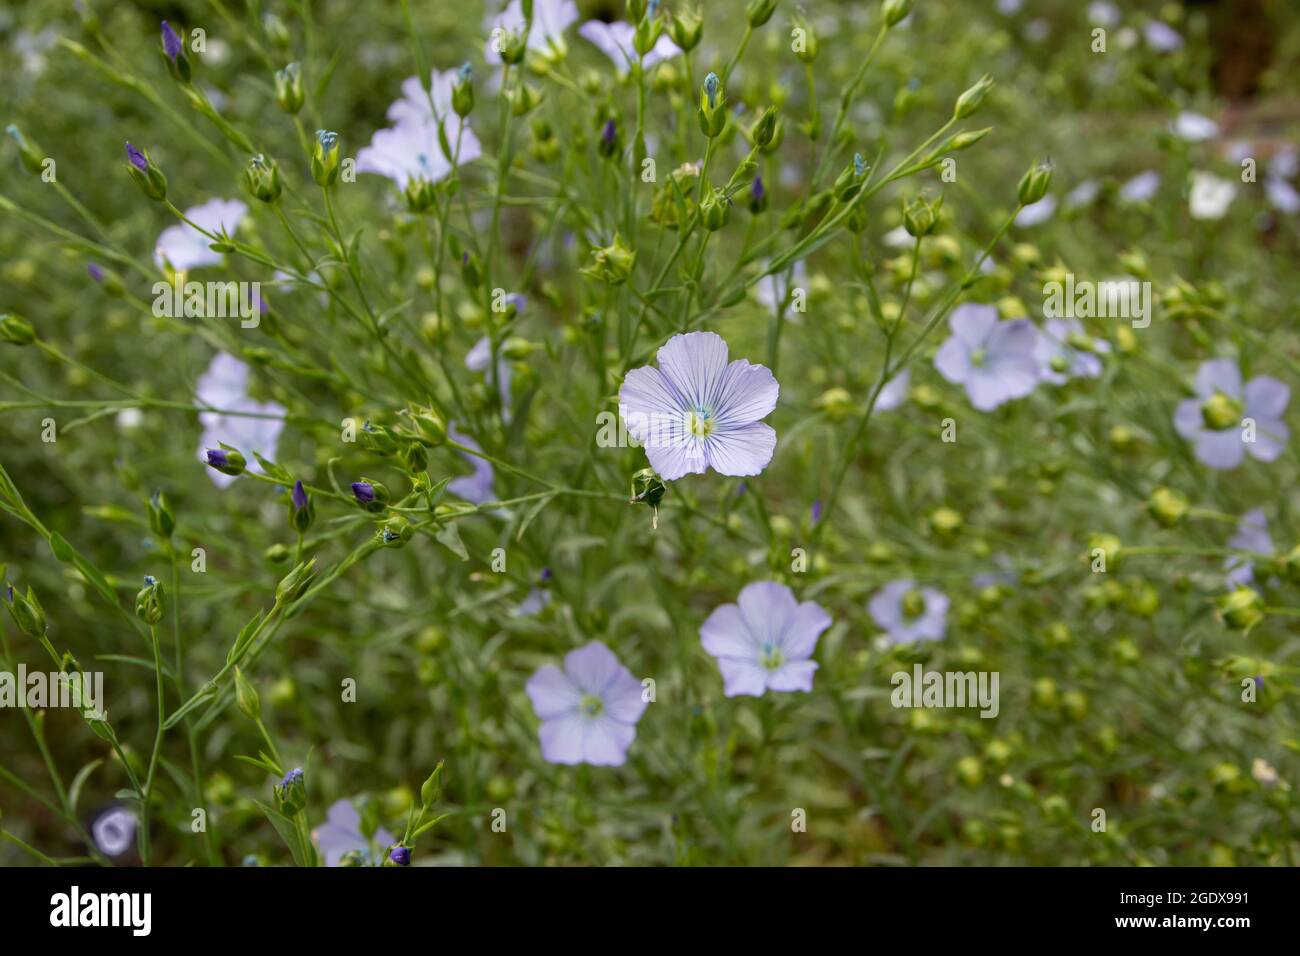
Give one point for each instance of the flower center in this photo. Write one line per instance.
(771, 657)
(1220, 412)
(699, 421)
(591, 705)
(979, 357)
(913, 604)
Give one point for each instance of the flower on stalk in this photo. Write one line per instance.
(765, 640)
(16, 331)
(992, 359)
(178, 64)
(288, 89)
(617, 41)
(907, 613)
(1034, 183)
(262, 179)
(1251, 535)
(370, 495)
(237, 420)
(400, 856)
(1064, 352)
(1227, 420)
(149, 601)
(302, 511)
(182, 248)
(713, 107)
(697, 411)
(341, 834)
(114, 831)
(1209, 196)
(291, 793)
(147, 176)
(686, 28)
(325, 158)
(424, 139)
(26, 611)
(589, 710)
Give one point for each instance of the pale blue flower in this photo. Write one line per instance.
(1060, 356)
(410, 148)
(907, 613)
(550, 19)
(184, 248)
(993, 359)
(765, 640)
(1263, 400)
(589, 710)
(341, 833)
(1252, 535)
(615, 41)
(225, 386)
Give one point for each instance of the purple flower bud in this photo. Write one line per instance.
(400, 855)
(95, 271)
(609, 132)
(171, 42)
(364, 491)
(299, 496)
(292, 777)
(136, 158)
(546, 574)
(217, 458)
(759, 190)
(816, 510)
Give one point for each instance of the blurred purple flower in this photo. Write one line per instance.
(1252, 535)
(475, 488)
(1141, 187)
(184, 248)
(1263, 400)
(96, 271)
(993, 359)
(907, 613)
(224, 386)
(1059, 356)
(341, 832)
(765, 640)
(479, 359)
(697, 411)
(114, 831)
(172, 45)
(589, 710)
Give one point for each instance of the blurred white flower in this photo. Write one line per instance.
(1194, 128)
(412, 148)
(615, 41)
(256, 428)
(550, 19)
(1210, 196)
(1141, 187)
(1162, 37)
(185, 248)
(1038, 213)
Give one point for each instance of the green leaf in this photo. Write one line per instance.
(288, 831)
(79, 781)
(274, 471)
(449, 536)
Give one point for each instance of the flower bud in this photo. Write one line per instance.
(262, 179)
(29, 154)
(16, 331)
(757, 196)
(610, 143)
(370, 495)
(686, 29)
(377, 439)
(972, 99)
(250, 705)
(462, 91)
(429, 427)
(288, 89)
(921, 217)
(396, 531)
(713, 111)
(400, 856)
(414, 458)
(431, 788)
(850, 181)
(964, 140)
(524, 99)
(226, 460)
(1167, 506)
(647, 488)
(1242, 609)
(291, 793)
(294, 584)
(178, 64)
(147, 176)
(808, 49)
(149, 601)
(764, 130)
(759, 12)
(109, 280)
(513, 48)
(419, 194)
(302, 511)
(1033, 185)
(715, 211)
(26, 611)
(896, 10)
(325, 158)
(612, 263)
(1220, 412)
(161, 521)
(647, 34)
(276, 31)
(1110, 547)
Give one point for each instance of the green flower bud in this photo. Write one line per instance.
(325, 158)
(1241, 609)
(276, 554)
(276, 31)
(759, 12)
(808, 49)
(462, 92)
(431, 788)
(514, 48)
(686, 29)
(293, 585)
(921, 217)
(1110, 547)
(896, 10)
(149, 601)
(1167, 506)
(764, 130)
(1033, 185)
(970, 101)
(161, 521)
(715, 211)
(250, 705)
(414, 458)
(429, 427)
(647, 34)
(612, 263)
(377, 439)
(26, 611)
(713, 109)
(647, 488)
(147, 176)
(29, 154)
(850, 181)
(16, 331)
(396, 531)
(419, 194)
(262, 179)
(288, 89)
(524, 99)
